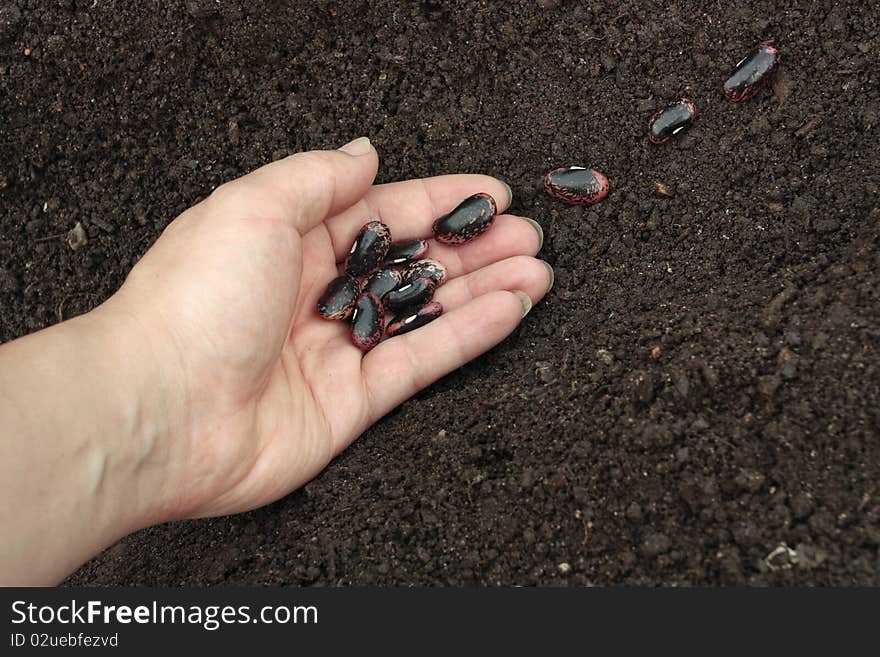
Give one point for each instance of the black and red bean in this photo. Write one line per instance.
(413, 319)
(367, 321)
(576, 185)
(752, 73)
(671, 120)
(382, 281)
(408, 251)
(369, 249)
(338, 299)
(411, 295)
(470, 218)
(425, 269)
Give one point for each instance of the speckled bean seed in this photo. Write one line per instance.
(752, 73)
(576, 185)
(411, 295)
(382, 281)
(338, 299)
(471, 218)
(403, 252)
(413, 319)
(676, 117)
(425, 269)
(369, 249)
(367, 321)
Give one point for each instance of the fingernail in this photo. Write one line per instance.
(360, 146)
(552, 274)
(534, 224)
(509, 193)
(525, 300)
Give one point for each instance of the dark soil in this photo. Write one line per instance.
(701, 386)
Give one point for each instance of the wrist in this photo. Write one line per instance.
(140, 412)
(82, 446)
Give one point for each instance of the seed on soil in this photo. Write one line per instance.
(413, 319)
(367, 321)
(76, 237)
(673, 119)
(425, 269)
(411, 295)
(752, 73)
(576, 185)
(338, 299)
(382, 281)
(403, 252)
(471, 218)
(369, 249)
(662, 188)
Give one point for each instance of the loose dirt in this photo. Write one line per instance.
(701, 386)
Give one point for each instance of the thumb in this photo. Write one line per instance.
(307, 188)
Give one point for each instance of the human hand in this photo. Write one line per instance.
(255, 391)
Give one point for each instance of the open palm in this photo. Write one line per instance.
(263, 392)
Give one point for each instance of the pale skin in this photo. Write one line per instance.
(208, 384)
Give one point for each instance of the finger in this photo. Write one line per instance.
(400, 367)
(409, 208)
(306, 188)
(532, 276)
(509, 236)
